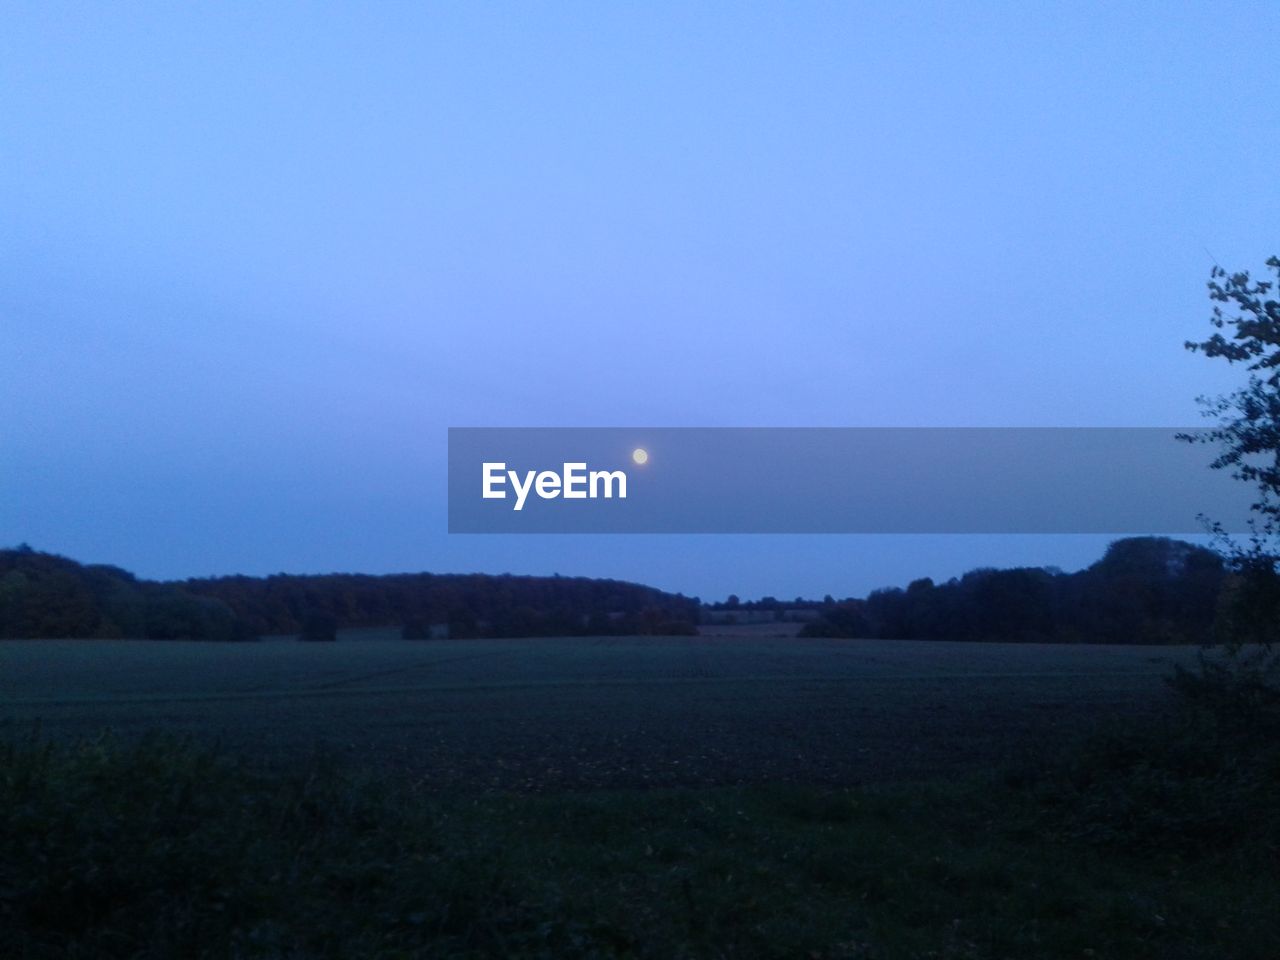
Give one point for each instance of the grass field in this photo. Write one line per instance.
(654, 798)
(548, 714)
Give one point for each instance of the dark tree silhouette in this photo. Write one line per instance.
(1144, 590)
(1247, 331)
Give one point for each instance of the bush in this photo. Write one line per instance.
(1200, 782)
(1240, 689)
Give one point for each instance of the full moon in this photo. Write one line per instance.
(640, 455)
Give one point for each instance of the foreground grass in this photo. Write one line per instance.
(1158, 844)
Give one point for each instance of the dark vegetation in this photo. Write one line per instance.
(43, 595)
(466, 605)
(1246, 322)
(1144, 590)
(1155, 843)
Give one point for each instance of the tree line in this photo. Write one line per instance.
(1143, 590)
(43, 595)
(463, 605)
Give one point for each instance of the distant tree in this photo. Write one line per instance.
(1247, 324)
(44, 595)
(1145, 590)
(318, 625)
(1151, 590)
(846, 620)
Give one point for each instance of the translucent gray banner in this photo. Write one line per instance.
(836, 480)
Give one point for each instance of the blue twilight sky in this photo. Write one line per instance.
(256, 258)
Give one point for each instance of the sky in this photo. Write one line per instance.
(255, 259)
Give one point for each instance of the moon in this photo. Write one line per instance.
(640, 455)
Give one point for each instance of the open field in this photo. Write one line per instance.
(546, 714)
(1149, 841)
